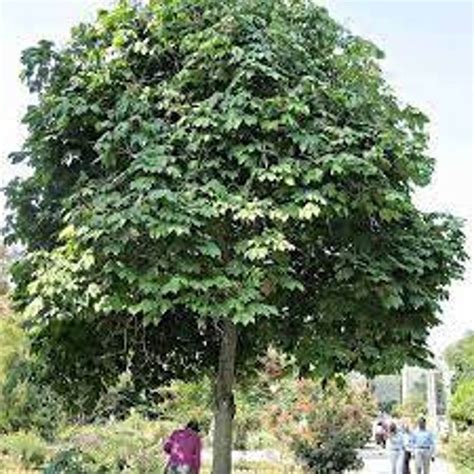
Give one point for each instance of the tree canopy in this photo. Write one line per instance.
(204, 161)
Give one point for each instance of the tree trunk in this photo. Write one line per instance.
(224, 407)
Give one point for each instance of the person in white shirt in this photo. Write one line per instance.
(407, 445)
(424, 447)
(395, 446)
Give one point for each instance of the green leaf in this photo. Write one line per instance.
(210, 249)
(309, 210)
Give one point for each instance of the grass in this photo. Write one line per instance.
(10, 466)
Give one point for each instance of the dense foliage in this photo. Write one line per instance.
(200, 160)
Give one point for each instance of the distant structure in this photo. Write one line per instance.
(386, 389)
(431, 385)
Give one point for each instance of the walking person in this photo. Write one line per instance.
(184, 450)
(407, 447)
(380, 434)
(423, 448)
(395, 445)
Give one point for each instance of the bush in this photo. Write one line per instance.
(324, 427)
(461, 452)
(462, 403)
(12, 339)
(73, 461)
(26, 403)
(25, 448)
(334, 456)
(134, 446)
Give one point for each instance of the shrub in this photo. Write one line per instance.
(73, 461)
(324, 427)
(134, 446)
(12, 339)
(461, 452)
(26, 448)
(26, 403)
(334, 456)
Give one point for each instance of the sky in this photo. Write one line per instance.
(429, 63)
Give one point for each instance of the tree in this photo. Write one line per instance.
(210, 177)
(460, 359)
(386, 389)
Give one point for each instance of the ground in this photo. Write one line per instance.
(376, 462)
(375, 459)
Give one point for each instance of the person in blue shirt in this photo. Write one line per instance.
(423, 447)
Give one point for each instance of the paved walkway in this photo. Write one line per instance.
(377, 462)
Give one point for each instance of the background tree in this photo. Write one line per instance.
(460, 359)
(210, 177)
(5, 261)
(462, 404)
(412, 408)
(7, 257)
(386, 389)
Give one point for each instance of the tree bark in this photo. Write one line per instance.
(224, 407)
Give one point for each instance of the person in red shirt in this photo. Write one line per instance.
(184, 450)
